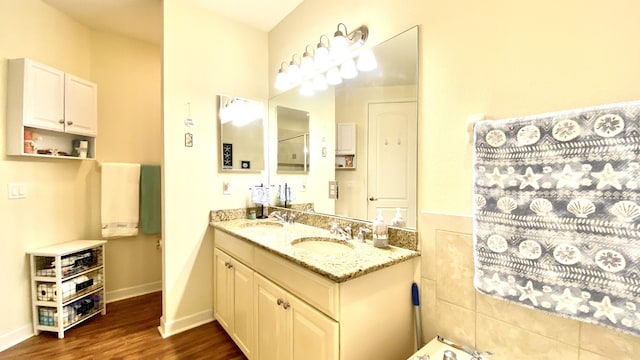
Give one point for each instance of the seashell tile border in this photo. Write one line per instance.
(399, 237)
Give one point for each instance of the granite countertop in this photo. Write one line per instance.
(341, 266)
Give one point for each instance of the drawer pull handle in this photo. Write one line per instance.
(286, 305)
(61, 121)
(69, 122)
(280, 302)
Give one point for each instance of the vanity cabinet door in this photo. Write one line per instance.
(233, 301)
(288, 328)
(223, 287)
(315, 336)
(243, 306)
(273, 332)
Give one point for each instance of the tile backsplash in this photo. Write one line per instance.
(404, 238)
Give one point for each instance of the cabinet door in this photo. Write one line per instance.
(243, 306)
(315, 336)
(223, 287)
(43, 96)
(80, 106)
(346, 139)
(272, 324)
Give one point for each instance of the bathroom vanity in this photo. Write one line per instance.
(293, 291)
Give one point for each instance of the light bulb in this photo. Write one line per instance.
(339, 47)
(367, 61)
(306, 89)
(306, 65)
(321, 58)
(293, 74)
(333, 76)
(348, 69)
(282, 82)
(319, 83)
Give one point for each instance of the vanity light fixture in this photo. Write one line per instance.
(240, 111)
(334, 60)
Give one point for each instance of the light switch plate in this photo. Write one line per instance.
(17, 190)
(333, 190)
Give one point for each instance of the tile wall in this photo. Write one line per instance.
(452, 308)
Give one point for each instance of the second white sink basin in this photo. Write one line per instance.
(322, 245)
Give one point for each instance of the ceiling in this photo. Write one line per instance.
(142, 19)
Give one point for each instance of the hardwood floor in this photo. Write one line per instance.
(129, 331)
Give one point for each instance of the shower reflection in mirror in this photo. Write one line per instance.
(241, 135)
(293, 140)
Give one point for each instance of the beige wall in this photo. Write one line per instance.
(504, 59)
(204, 55)
(63, 201)
(128, 74)
(453, 309)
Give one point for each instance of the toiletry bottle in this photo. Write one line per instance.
(398, 220)
(380, 238)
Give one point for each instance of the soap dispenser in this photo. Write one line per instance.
(380, 231)
(398, 220)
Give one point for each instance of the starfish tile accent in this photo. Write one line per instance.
(494, 284)
(568, 178)
(608, 177)
(567, 301)
(529, 179)
(604, 308)
(529, 293)
(495, 178)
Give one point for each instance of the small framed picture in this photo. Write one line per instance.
(227, 156)
(348, 161)
(188, 140)
(245, 164)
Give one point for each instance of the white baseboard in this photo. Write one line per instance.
(170, 328)
(16, 336)
(129, 292)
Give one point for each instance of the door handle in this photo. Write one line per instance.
(373, 199)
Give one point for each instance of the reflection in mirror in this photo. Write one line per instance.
(293, 140)
(382, 107)
(240, 134)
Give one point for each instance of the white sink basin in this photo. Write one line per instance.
(322, 245)
(264, 225)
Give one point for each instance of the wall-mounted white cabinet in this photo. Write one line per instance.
(48, 111)
(346, 134)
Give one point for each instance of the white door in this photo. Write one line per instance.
(392, 160)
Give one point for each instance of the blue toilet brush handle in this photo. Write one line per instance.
(416, 306)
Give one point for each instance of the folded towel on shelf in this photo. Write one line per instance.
(150, 199)
(120, 191)
(557, 213)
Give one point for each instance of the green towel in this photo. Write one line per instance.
(150, 200)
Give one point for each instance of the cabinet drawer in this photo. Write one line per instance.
(312, 288)
(235, 247)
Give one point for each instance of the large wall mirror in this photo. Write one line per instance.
(240, 134)
(375, 159)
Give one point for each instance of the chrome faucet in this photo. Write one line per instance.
(361, 233)
(291, 219)
(337, 230)
(279, 216)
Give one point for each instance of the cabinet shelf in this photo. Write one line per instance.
(67, 284)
